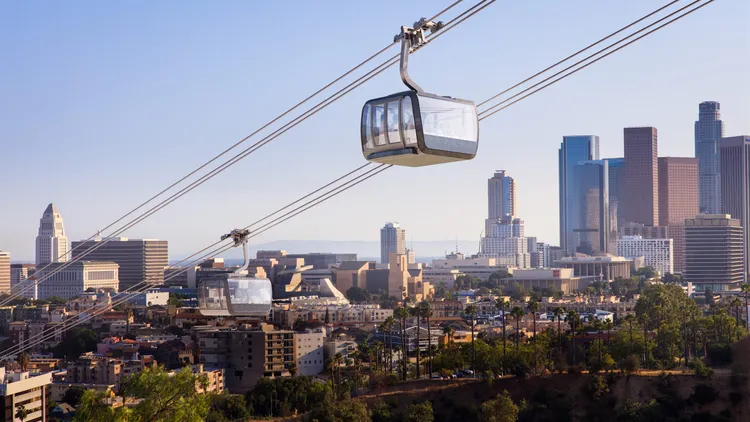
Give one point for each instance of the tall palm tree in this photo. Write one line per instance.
(643, 320)
(501, 305)
(389, 323)
(518, 314)
(559, 313)
(415, 312)
(745, 290)
(338, 359)
(573, 319)
(426, 312)
(630, 318)
(21, 413)
(533, 307)
(23, 361)
(471, 311)
(402, 314)
(448, 331)
(736, 304)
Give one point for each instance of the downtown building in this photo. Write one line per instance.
(657, 253)
(573, 149)
(19, 273)
(5, 272)
(709, 129)
(501, 198)
(67, 280)
(139, 260)
(735, 185)
(392, 240)
(714, 252)
(51, 242)
(641, 183)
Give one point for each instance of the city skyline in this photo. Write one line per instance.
(612, 94)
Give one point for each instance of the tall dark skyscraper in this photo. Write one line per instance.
(501, 198)
(708, 130)
(678, 190)
(573, 150)
(641, 176)
(734, 153)
(616, 168)
(589, 207)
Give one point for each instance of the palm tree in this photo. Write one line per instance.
(745, 290)
(338, 359)
(643, 319)
(630, 318)
(448, 331)
(608, 325)
(415, 312)
(501, 305)
(559, 313)
(426, 312)
(573, 319)
(23, 361)
(471, 311)
(533, 307)
(389, 323)
(21, 412)
(518, 314)
(402, 314)
(736, 304)
(332, 367)
(292, 370)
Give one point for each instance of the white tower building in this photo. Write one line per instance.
(51, 243)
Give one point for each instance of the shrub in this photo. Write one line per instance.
(598, 387)
(736, 397)
(704, 394)
(630, 364)
(701, 369)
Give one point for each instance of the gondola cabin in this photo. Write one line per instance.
(418, 129)
(235, 295)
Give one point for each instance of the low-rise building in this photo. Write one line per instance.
(607, 267)
(24, 389)
(560, 279)
(310, 353)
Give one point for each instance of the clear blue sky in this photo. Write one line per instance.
(105, 103)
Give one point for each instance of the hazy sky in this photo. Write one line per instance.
(106, 103)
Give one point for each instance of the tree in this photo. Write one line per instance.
(518, 314)
(426, 313)
(357, 294)
(421, 412)
(415, 312)
(501, 305)
(388, 326)
(342, 411)
(500, 409)
(559, 314)
(327, 317)
(21, 412)
(573, 319)
(228, 407)
(73, 396)
(94, 408)
(471, 311)
(745, 287)
(167, 397)
(629, 319)
(402, 314)
(23, 361)
(533, 307)
(709, 295)
(648, 272)
(78, 341)
(292, 369)
(736, 304)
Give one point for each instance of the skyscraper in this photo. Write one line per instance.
(4, 272)
(714, 252)
(392, 240)
(501, 198)
(708, 130)
(588, 205)
(616, 187)
(734, 155)
(572, 150)
(678, 190)
(51, 242)
(139, 259)
(641, 176)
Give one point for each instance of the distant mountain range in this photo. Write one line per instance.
(365, 250)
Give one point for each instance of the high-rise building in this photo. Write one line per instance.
(4, 272)
(616, 168)
(51, 242)
(714, 252)
(501, 198)
(657, 253)
(641, 176)
(392, 240)
(734, 155)
(139, 259)
(18, 274)
(708, 130)
(588, 207)
(573, 149)
(678, 190)
(77, 277)
(676, 233)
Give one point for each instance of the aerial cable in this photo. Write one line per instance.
(247, 151)
(486, 113)
(135, 290)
